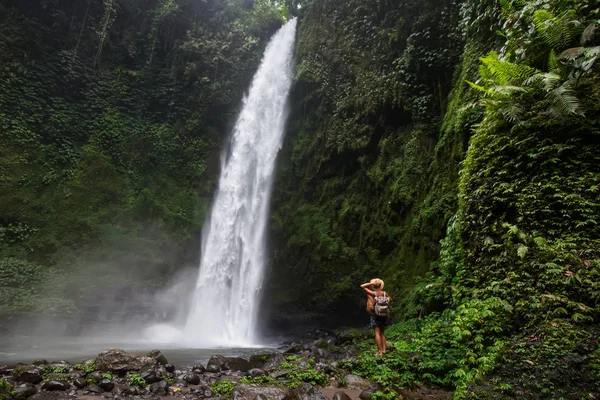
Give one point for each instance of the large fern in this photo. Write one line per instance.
(557, 31)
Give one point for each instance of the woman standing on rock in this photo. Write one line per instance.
(379, 309)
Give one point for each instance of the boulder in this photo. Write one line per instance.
(273, 362)
(80, 382)
(95, 389)
(254, 372)
(106, 384)
(251, 392)
(39, 362)
(295, 349)
(366, 394)
(355, 382)
(56, 384)
(341, 396)
(320, 353)
(191, 378)
(150, 376)
(238, 364)
(96, 376)
(306, 391)
(121, 361)
(258, 360)
(24, 391)
(171, 368)
(159, 388)
(217, 364)
(158, 356)
(31, 375)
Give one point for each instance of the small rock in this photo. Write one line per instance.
(208, 393)
(40, 362)
(254, 372)
(24, 391)
(80, 382)
(273, 362)
(192, 379)
(320, 353)
(341, 396)
(106, 384)
(171, 368)
(355, 382)
(55, 384)
(159, 388)
(96, 376)
(158, 356)
(366, 394)
(149, 376)
(306, 391)
(32, 375)
(95, 389)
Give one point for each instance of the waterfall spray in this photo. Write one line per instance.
(225, 301)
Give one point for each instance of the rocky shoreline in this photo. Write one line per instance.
(306, 369)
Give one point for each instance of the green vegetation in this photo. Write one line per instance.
(112, 117)
(136, 379)
(6, 390)
(223, 388)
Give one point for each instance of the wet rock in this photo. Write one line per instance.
(306, 391)
(95, 389)
(341, 396)
(280, 374)
(50, 396)
(24, 391)
(251, 392)
(295, 349)
(159, 388)
(150, 376)
(96, 376)
(121, 361)
(106, 384)
(130, 391)
(238, 364)
(39, 362)
(217, 364)
(191, 378)
(208, 393)
(320, 353)
(158, 356)
(368, 392)
(80, 382)
(171, 368)
(355, 382)
(258, 360)
(273, 362)
(31, 375)
(55, 384)
(254, 372)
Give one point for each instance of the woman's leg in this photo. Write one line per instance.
(378, 339)
(383, 342)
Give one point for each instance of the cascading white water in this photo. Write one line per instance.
(226, 297)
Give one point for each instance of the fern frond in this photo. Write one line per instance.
(558, 32)
(563, 101)
(505, 72)
(554, 64)
(547, 80)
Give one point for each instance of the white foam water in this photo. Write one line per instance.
(225, 300)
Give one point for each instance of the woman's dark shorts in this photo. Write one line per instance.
(378, 321)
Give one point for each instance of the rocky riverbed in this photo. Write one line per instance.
(312, 368)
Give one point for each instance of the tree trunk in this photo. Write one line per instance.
(87, 9)
(105, 26)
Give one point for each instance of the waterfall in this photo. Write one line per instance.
(225, 301)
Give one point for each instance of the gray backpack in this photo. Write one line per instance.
(382, 306)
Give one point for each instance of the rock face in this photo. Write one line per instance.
(250, 392)
(32, 375)
(56, 384)
(121, 361)
(25, 390)
(158, 356)
(219, 363)
(273, 362)
(355, 382)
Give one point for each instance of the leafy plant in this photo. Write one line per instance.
(223, 387)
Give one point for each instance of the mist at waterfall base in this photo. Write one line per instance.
(215, 306)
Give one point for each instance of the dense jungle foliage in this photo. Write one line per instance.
(451, 148)
(112, 114)
(393, 99)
